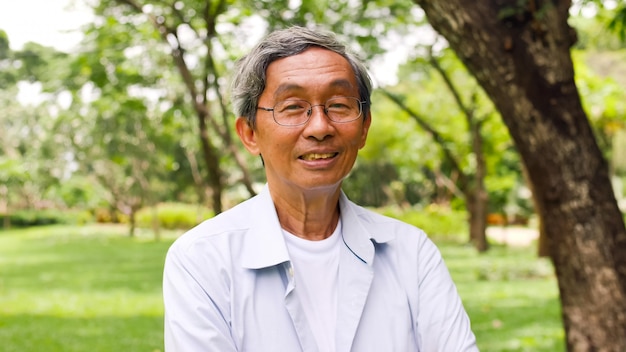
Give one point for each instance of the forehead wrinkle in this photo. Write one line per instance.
(287, 87)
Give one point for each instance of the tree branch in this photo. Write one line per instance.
(437, 137)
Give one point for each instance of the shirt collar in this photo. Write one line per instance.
(357, 235)
(264, 245)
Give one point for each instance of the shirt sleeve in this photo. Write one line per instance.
(443, 324)
(196, 316)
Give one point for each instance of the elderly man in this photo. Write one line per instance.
(300, 267)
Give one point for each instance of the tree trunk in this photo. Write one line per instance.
(132, 219)
(4, 208)
(473, 185)
(477, 209)
(198, 182)
(521, 57)
(478, 198)
(212, 160)
(156, 223)
(543, 248)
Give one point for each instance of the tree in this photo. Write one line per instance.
(611, 13)
(121, 132)
(188, 29)
(34, 159)
(204, 38)
(520, 53)
(470, 185)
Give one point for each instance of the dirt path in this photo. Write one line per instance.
(512, 235)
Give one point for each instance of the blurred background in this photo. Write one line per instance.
(116, 135)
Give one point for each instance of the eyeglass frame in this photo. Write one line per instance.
(309, 112)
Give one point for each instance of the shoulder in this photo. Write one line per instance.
(217, 231)
(378, 224)
(393, 238)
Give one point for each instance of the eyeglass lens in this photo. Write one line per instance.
(297, 112)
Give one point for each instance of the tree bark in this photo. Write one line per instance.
(543, 249)
(212, 160)
(477, 197)
(520, 54)
(4, 208)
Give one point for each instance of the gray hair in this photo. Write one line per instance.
(249, 81)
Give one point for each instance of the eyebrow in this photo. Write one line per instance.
(287, 87)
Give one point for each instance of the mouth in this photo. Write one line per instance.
(318, 156)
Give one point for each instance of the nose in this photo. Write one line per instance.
(319, 125)
(310, 111)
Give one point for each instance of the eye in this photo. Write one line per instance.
(292, 106)
(339, 104)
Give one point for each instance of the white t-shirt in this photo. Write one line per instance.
(316, 269)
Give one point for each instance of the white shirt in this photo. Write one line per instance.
(316, 269)
(228, 285)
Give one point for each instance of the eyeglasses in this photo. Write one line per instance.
(298, 112)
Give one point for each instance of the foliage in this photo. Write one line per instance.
(173, 216)
(79, 192)
(27, 218)
(612, 14)
(117, 100)
(32, 158)
(603, 95)
(113, 125)
(393, 134)
(438, 222)
(369, 183)
(395, 165)
(594, 35)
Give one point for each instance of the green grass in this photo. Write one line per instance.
(91, 288)
(65, 288)
(511, 297)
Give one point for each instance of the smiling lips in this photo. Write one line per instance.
(315, 156)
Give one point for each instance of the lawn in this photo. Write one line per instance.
(80, 289)
(511, 297)
(91, 288)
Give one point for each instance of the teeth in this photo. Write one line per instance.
(317, 156)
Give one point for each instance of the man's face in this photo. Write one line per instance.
(320, 153)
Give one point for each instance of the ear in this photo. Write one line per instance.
(247, 135)
(365, 128)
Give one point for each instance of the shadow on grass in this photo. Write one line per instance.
(46, 333)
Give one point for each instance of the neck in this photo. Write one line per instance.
(312, 216)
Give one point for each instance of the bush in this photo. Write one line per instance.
(31, 217)
(434, 220)
(173, 216)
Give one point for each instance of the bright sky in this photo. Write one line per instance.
(53, 23)
(47, 22)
